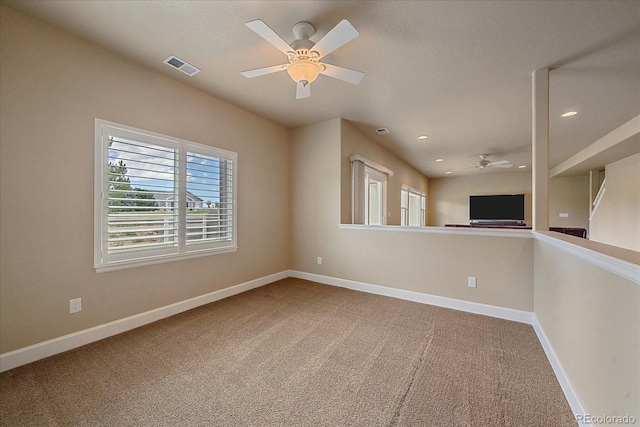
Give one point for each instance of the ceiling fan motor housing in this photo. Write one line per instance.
(303, 30)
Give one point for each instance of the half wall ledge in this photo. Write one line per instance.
(471, 231)
(623, 262)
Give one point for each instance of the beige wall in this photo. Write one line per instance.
(449, 197)
(53, 86)
(617, 219)
(315, 193)
(353, 142)
(569, 195)
(592, 320)
(417, 261)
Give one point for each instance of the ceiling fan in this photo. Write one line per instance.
(304, 55)
(484, 163)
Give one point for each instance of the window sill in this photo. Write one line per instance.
(121, 265)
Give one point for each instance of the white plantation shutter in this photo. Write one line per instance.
(412, 206)
(210, 219)
(415, 205)
(404, 205)
(139, 226)
(160, 198)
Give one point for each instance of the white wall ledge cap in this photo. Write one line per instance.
(453, 231)
(624, 263)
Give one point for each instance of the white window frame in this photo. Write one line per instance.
(103, 261)
(361, 169)
(405, 210)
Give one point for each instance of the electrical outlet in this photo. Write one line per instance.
(471, 282)
(75, 305)
(319, 260)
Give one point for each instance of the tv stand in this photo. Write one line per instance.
(497, 222)
(507, 226)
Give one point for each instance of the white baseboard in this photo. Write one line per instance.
(456, 304)
(29, 354)
(570, 393)
(22, 356)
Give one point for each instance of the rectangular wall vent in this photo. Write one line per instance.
(382, 131)
(181, 65)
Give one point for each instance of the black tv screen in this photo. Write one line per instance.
(503, 208)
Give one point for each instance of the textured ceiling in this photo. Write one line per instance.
(459, 72)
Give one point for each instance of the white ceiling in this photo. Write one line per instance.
(457, 71)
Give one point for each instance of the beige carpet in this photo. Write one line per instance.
(297, 353)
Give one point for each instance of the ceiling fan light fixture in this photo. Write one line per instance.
(304, 71)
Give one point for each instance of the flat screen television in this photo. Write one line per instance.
(499, 209)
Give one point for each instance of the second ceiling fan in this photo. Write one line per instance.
(484, 163)
(304, 56)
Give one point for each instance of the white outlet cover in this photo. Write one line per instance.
(75, 305)
(472, 282)
(564, 215)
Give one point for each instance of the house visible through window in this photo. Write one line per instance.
(160, 198)
(412, 207)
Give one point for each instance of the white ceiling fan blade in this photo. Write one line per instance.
(345, 74)
(303, 91)
(500, 162)
(262, 71)
(339, 35)
(269, 35)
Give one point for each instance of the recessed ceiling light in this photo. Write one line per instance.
(522, 166)
(448, 172)
(422, 137)
(439, 160)
(569, 114)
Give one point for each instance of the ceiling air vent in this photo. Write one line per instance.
(185, 67)
(382, 131)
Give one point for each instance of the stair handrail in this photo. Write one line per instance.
(598, 198)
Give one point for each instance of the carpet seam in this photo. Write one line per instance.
(416, 368)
